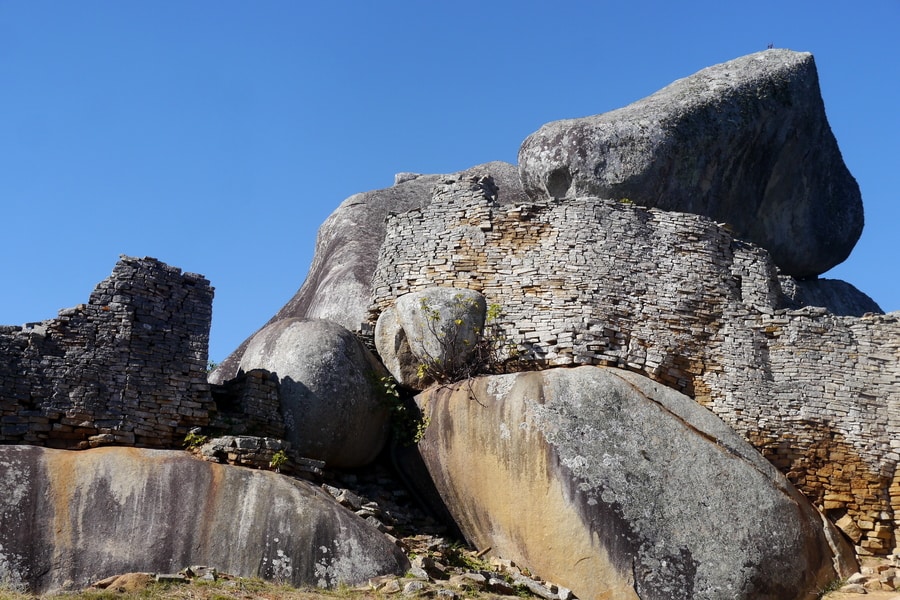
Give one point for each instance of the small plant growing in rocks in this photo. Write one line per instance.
(194, 439)
(278, 460)
(488, 351)
(407, 424)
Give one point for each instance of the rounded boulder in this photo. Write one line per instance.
(328, 389)
(746, 143)
(437, 328)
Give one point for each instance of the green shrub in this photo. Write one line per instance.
(279, 459)
(194, 440)
(407, 424)
(488, 352)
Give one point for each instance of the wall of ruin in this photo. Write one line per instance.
(819, 395)
(249, 404)
(128, 367)
(676, 297)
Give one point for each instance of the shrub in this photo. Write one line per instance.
(407, 423)
(487, 351)
(279, 459)
(194, 440)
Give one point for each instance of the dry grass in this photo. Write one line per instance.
(238, 589)
(234, 589)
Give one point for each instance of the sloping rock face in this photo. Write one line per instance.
(838, 297)
(327, 382)
(338, 285)
(70, 518)
(746, 142)
(616, 487)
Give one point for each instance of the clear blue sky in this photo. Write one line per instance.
(218, 135)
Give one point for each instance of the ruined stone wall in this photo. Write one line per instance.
(128, 367)
(249, 404)
(819, 395)
(676, 297)
(581, 281)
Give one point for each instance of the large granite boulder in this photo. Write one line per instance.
(338, 285)
(328, 389)
(68, 519)
(616, 487)
(430, 333)
(746, 143)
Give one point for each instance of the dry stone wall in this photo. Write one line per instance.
(819, 395)
(249, 404)
(675, 297)
(128, 367)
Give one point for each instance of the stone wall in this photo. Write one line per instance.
(128, 367)
(675, 297)
(249, 404)
(819, 395)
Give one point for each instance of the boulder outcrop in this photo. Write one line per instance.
(68, 519)
(338, 286)
(617, 487)
(430, 333)
(327, 387)
(674, 296)
(746, 143)
(836, 296)
(647, 244)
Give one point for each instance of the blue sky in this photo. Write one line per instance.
(218, 135)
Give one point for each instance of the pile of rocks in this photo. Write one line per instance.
(441, 565)
(875, 574)
(258, 453)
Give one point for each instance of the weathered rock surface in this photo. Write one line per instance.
(676, 297)
(68, 519)
(438, 326)
(327, 384)
(338, 285)
(746, 142)
(616, 487)
(836, 296)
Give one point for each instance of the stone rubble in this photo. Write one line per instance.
(881, 574)
(259, 453)
(441, 566)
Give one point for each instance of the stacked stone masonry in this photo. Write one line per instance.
(259, 453)
(128, 367)
(249, 404)
(676, 297)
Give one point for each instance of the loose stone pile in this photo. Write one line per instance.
(259, 453)
(875, 575)
(441, 566)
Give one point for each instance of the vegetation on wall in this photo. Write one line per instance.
(467, 352)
